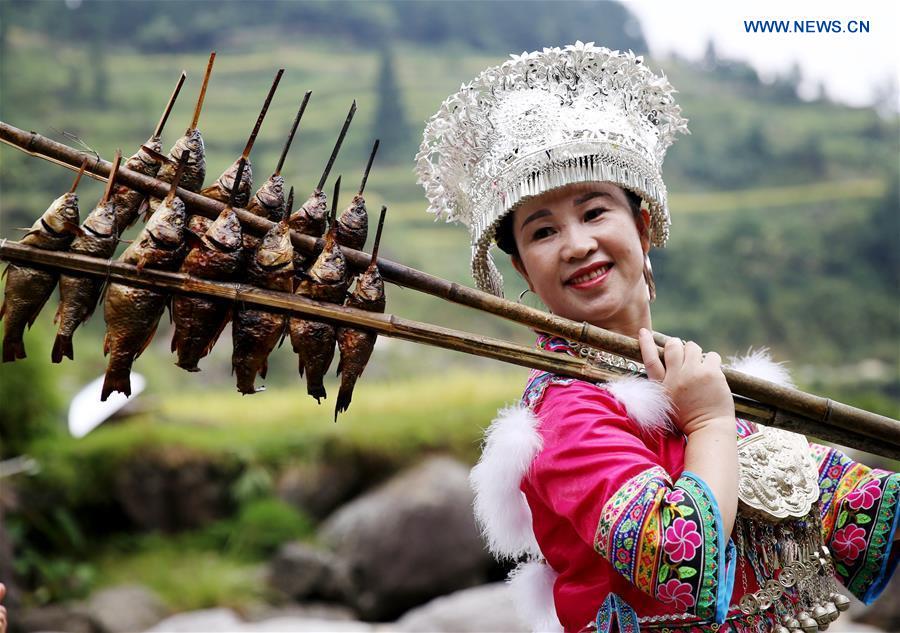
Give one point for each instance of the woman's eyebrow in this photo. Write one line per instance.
(590, 195)
(535, 216)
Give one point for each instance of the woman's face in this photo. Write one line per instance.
(582, 252)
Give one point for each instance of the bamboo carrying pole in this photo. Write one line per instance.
(791, 402)
(405, 329)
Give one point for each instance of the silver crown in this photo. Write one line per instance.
(540, 121)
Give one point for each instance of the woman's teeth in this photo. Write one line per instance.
(597, 272)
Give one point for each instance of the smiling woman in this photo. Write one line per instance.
(622, 497)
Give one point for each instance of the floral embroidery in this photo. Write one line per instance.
(664, 539)
(676, 592)
(674, 497)
(865, 496)
(849, 542)
(682, 540)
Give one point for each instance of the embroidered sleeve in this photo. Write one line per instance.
(665, 537)
(859, 508)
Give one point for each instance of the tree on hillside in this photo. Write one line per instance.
(390, 124)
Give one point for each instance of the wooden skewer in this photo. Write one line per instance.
(262, 115)
(242, 162)
(415, 331)
(365, 177)
(334, 201)
(112, 177)
(290, 199)
(199, 106)
(290, 138)
(79, 175)
(337, 147)
(374, 260)
(790, 401)
(173, 188)
(165, 116)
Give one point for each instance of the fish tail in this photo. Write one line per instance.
(118, 378)
(315, 388)
(343, 399)
(246, 379)
(62, 347)
(187, 364)
(13, 349)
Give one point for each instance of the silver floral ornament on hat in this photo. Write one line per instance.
(540, 121)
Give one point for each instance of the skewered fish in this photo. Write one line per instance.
(256, 332)
(326, 280)
(199, 321)
(127, 202)
(27, 289)
(79, 294)
(356, 345)
(132, 314)
(310, 218)
(353, 223)
(268, 202)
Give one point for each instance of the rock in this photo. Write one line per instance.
(205, 621)
(60, 618)
(306, 625)
(410, 540)
(125, 608)
(307, 610)
(300, 572)
(483, 609)
(174, 488)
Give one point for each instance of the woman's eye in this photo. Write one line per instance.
(593, 213)
(542, 232)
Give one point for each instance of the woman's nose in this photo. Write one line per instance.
(578, 245)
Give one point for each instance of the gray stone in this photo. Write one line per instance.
(205, 621)
(410, 540)
(125, 608)
(318, 488)
(300, 571)
(60, 618)
(483, 609)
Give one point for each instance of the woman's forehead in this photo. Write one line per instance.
(563, 194)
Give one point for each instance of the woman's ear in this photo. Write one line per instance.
(520, 268)
(644, 230)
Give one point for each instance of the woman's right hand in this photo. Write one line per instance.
(694, 382)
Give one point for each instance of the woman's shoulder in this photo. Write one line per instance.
(639, 403)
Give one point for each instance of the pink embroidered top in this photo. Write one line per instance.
(634, 537)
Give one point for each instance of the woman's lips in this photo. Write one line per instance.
(593, 279)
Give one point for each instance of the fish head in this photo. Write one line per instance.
(102, 220)
(228, 176)
(271, 194)
(355, 215)
(370, 286)
(225, 232)
(166, 225)
(191, 142)
(142, 158)
(275, 250)
(330, 266)
(62, 213)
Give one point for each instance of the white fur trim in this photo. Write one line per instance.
(759, 364)
(511, 444)
(532, 591)
(646, 402)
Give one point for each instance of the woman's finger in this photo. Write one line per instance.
(674, 355)
(712, 358)
(692, 353)
(650, 354)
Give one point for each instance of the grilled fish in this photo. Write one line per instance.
(78, 294)
(356, 345)
(268, 201)
(313, 341)
(132, 314)
(199, 321)
(127, 202)
(310, 218)
(27, 289)
(256, 332)
(221, 189)
(353, 224)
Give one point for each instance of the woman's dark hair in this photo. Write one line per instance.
(507, 241)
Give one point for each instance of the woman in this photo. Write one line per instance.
(622, 497)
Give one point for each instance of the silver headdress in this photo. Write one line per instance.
(544, 120)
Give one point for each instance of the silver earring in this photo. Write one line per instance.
(522, 295)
